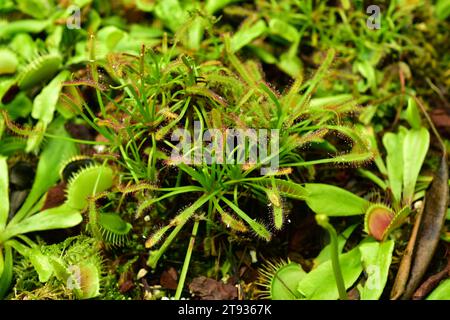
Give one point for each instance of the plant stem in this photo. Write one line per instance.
(187, 260)
(322, 220)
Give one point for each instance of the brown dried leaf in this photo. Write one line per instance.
(126, 282)
(210, 289)
(169, 279)
(433, 218)
(405, 264)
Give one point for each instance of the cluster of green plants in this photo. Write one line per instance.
(340, 96)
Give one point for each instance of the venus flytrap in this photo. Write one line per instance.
(380, 219)
(83, 182)
(334, 271)
(29, 218)
(74, 265)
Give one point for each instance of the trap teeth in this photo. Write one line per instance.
(73, 165)
(39, 70)
(85, 182)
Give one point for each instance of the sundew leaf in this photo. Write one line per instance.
(376, 258)
(257, 227)
(4, 192)
(442, 292)
(320, 283)
(179, 221)
(333, 201)
(394, 163)
(247, 34)
(45, 103)
(35, 139)
(373, 146)
(415, 147)
(331, 100)
(290, 189)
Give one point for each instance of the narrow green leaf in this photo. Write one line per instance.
(333, 100)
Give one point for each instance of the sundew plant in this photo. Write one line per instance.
(234, 150)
